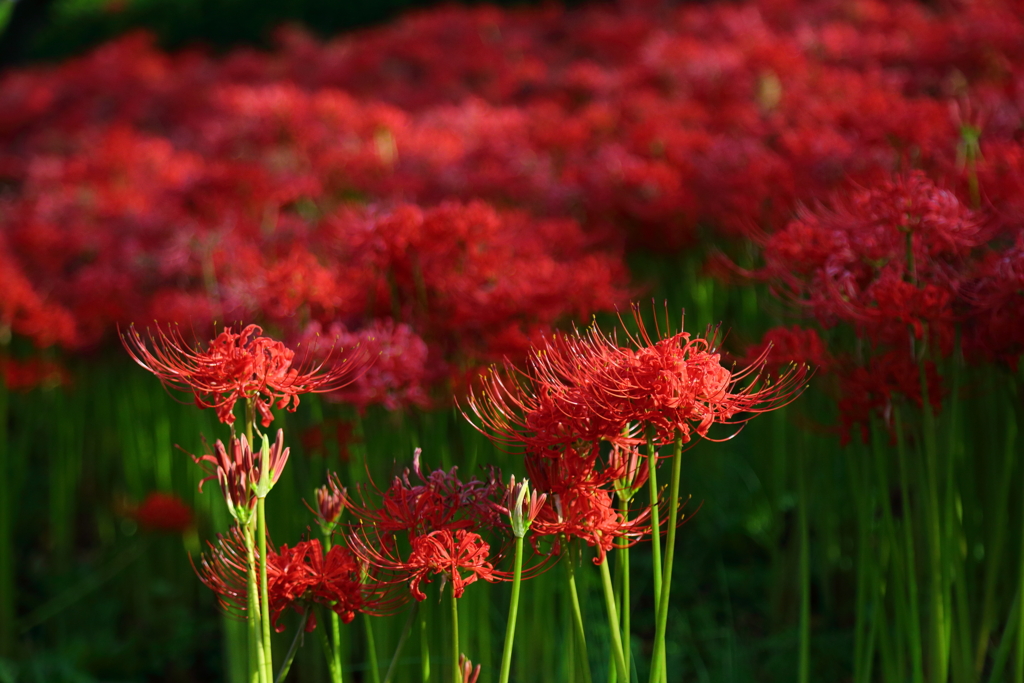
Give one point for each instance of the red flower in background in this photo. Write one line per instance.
(163, 512)
(237, 366)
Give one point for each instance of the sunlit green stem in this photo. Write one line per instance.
(333, 663)
(513, 611)
(661, 624)
(624, 597)
(261, 538)
(652, 483)
(257, 671)
(335, 623)
(613, 622)
(424, 650)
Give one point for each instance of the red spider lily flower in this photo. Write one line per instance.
(163, 512)
(590, 515)
(583, 388)
(296, 577)
(244, 475)
(224, 570)
(237, 366)
(458, 555)
(440, 500)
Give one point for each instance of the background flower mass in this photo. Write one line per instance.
(837, 184)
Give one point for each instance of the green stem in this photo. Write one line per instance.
(406, 631)
(613, 622)
(424, 650)
(914, 618)
(455, 637)
(804, 666)
(296, 641)
(261, 533)
(937, 584)
(513, 611)
(658, 669)
(333, 664)
(577, 614)
(371, 649)
(257, 672)
(652, 482)
(625, 601)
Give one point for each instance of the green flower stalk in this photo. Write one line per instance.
(522, 508)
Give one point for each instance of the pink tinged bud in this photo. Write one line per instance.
(469, 673)
(271, 464)
(523, 506)
(234, 472)
(331, 501)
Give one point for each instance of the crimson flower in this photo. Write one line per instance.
(237, 366)
(244, 475)
(458, 555)
(163, 512)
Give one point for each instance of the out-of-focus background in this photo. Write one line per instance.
(838, 182)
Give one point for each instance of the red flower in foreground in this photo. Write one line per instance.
(163, 512)
(584, 388)
(236, 366)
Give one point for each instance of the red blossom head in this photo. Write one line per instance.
(163, 512)
(236, 366)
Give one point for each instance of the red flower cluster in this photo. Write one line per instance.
(296, 578)
(430, 527)
(583, 389)
(237, 366)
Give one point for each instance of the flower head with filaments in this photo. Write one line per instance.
(238, 366)
(585, 387)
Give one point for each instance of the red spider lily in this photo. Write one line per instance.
(163, 512)
(296, 576)
(589, 513)
(458, 555)
(224, 570)
(585, 388)
(236, 366)
(244, 475)
(440, 500)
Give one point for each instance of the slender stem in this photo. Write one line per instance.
(424, 650)
(804, 663)
(658, 669)
(296, 641)
(577, 614)
(623, 555)
(513, 611)
(261, 538)
(455, 637)
(335, 623)
(257, 671)
(652, 482)
(406, 631)
(939, 615)
(371, 649)
(333, 665)
(911, 562)
(613, 622)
